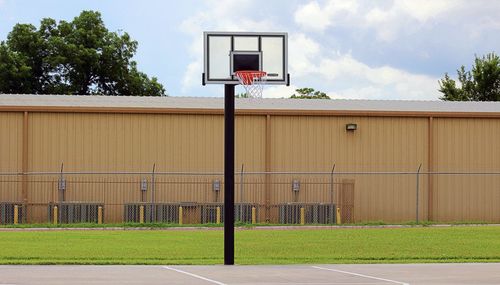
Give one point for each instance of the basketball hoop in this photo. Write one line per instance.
(253, 81)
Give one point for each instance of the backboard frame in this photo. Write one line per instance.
(231, 79)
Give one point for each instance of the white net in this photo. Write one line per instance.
(252, 81)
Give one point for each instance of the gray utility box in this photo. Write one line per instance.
(314, 213)
(242, 212)
(75, 212)
(7, 212)
(163, 212)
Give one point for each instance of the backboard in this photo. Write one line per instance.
(228, 52)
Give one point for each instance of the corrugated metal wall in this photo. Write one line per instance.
(468, 145)
(11, 155)
(378, 144)
(133, 142)
(11, 141)
(176, 142)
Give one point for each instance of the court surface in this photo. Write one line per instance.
(472, 273)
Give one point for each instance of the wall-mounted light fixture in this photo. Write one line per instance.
(351, 127)
(295, 185)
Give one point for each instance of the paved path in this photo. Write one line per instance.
(374, 274)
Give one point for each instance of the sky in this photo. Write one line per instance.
(352, 49)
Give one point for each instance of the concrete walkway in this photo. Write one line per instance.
(471, 273)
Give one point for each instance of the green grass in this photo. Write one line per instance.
(237, 224)
(394, 245)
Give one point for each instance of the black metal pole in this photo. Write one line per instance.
(229, 174)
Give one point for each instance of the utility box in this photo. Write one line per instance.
(7, 212)
(144, 185)
(75, 212)
(164, 212)
(315, 213)
(216, 185)
(242, 212)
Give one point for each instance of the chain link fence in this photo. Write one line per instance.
(260, 197)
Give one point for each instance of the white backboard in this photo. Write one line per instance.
(223, 52)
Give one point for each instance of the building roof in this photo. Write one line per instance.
(55, 102)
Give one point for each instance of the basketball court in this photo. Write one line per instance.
(251, 60)
(369, 274)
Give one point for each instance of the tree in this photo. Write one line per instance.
(242, 95)
(14, 73)
(309, 93)
(482, 83)
(77, 57)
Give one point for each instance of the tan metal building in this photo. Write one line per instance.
(131, 134)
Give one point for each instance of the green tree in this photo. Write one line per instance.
(482, 83)
(14, 73)
(77, 57)
(242, 95)
(309, 93)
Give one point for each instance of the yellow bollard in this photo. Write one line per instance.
(254, 216)
(180, 215)
(16, 214)
(141, 214)
(218, 215)
(302, 216)
(99, 215)
(339, 219)
(55, 215)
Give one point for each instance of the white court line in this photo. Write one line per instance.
(361, 275)
(327, 283)
(194, 275)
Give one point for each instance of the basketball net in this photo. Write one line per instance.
(253, 81)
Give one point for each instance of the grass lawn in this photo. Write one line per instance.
(393, 245)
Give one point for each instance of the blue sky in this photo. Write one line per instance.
(357, 49)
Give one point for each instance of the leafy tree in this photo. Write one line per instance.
(242, 95)
(14, 73)
(77, 57)
(482, 83)
(309, 93)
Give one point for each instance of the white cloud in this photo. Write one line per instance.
(406, 16)
(344, 77)
(222, 15)
(190, 78)
(423, 11)
(320, 53)
(279, 91)
(302, 52)
(376, 82)
(388, 21)
(312, 16)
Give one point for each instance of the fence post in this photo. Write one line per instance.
(254, 216)
(99, 215)
(180, 215)
(16, 214)
(302, 216)
(217, 220)
(61, 190)
(141, 214)
(241, 194)
(339, 217)
(332, 190)
(56, 215)
(418, 190)
(153, 208)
